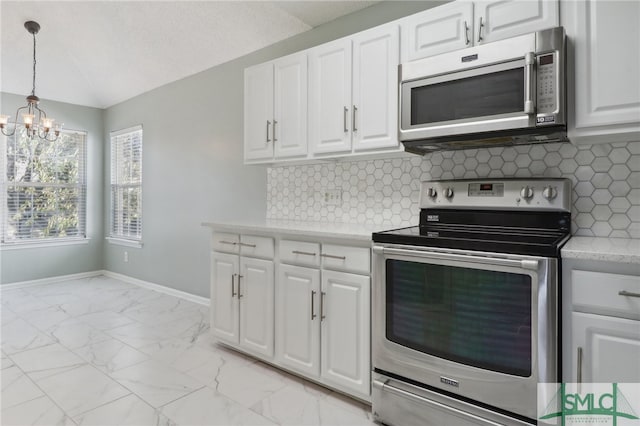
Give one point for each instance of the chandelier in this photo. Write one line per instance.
(34, 119)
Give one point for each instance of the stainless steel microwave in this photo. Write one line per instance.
(507, 92)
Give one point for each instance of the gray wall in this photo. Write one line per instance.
(192, 158)
(34, 263)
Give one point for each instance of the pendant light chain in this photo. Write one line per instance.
(33, 91)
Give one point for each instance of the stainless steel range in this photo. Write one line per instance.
(465, 321)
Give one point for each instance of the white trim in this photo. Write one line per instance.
(140, 283)
(159, 288)
(123, 242)
(127, 130)
(51, 280)
(44, 243)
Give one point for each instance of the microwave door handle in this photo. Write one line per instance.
(529, 102)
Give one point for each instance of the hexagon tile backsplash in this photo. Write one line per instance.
(606, 184)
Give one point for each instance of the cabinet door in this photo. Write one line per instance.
(610, 348)
(438, 30)
(224, 303)
(298, 319)
(500, 19)
(374, 114)
(258, 112)
(256, 294)
(346, 330)
(290, 106)
(330, 98)
(604, 101)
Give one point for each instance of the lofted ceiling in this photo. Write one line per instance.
(100, 53)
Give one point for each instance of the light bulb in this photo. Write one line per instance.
(27, 120)
(47, 123)
(4, 120)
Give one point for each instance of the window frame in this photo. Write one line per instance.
(81, 205)
(123, 239)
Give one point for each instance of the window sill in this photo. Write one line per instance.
(123, 242)
(43, 244)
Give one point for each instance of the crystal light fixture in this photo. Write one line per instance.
(34, 119)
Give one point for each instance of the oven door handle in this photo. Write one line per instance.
(531, 264)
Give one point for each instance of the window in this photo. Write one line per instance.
(126, 184)
(43, 188)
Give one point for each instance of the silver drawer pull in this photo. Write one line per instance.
(228, 242)
(628, 293)
(333, 256)
(579, 366)
(248, 245)
(313, 310)
(304, 253)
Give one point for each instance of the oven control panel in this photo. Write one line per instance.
(530, 194)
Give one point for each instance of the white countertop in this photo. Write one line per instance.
(353, 231)
(621, 250)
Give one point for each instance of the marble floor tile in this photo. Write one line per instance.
(156, 383)
(18, 336)
(47, 318)
(126, 411)
(111, 355)
(17, 388)
(247, 384)
(46, 360)
(5, 361)
(41, 411)
(181, 355)
(138, 335)
(220, 358)
(105, 320)
(22, 302)
(7, 315)
(77, 334)
(208, 407)
(81, 389)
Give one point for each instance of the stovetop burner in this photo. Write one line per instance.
(490, 216)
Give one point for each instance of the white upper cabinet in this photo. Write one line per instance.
(353, 93)
(330, 106)
(374, 110)
(258, 112)
(604, 64)
(275, 109)
(463, 24)
(438, 30)
(497, 20)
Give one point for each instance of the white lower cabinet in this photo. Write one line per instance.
(242, 299)
(345, 337)
(601, 317)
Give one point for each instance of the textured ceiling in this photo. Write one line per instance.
(99, 53)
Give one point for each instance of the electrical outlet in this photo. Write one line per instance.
(126, 256)
(332, 197)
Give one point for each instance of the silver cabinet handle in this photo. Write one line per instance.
(353, 119)
(228, 242)
(239, 293)
(313, 310)
(274, 131)
(268, 124)
(529, 102)
(466, 34)
(233, 290)
(480, 30)
(322, 315)
(344, 119)
(628, 293)
(304, 253)
(247, 245)
(332, 256)
(579, 372)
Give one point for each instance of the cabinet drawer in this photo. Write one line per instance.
(300, 253)
(345, 258)
(224, 242)
(615, 294)
(253, 246)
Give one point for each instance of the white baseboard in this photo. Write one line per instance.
(51, 280)
(157, 287)
(140, 283)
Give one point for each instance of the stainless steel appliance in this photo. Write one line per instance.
(507, 92)
(465, 305)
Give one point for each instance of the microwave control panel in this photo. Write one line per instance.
(547, 86)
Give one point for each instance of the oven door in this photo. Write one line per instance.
(482, 326)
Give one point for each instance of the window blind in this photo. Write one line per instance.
(43, 189)
(126, 184)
